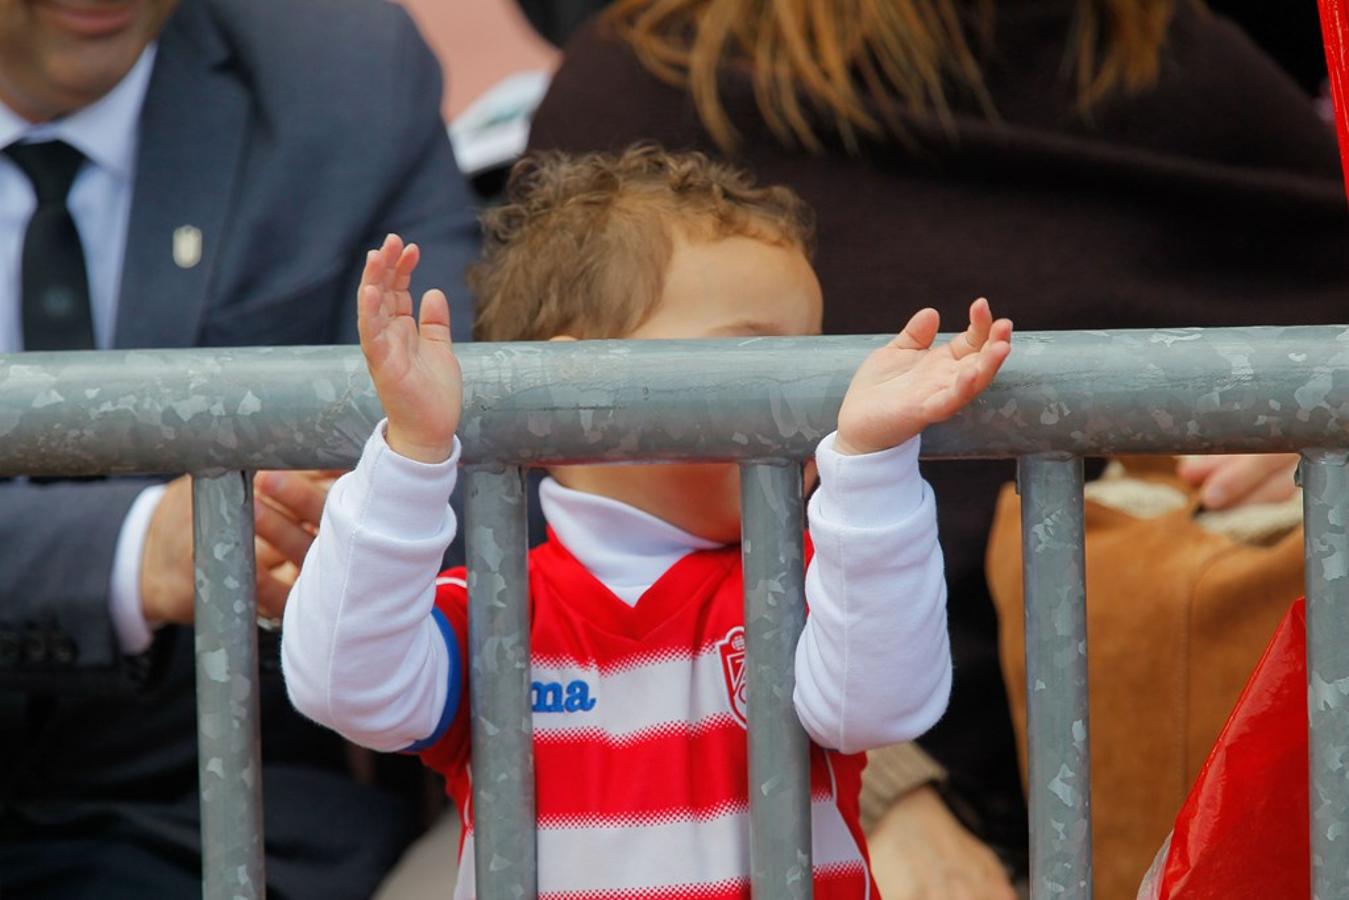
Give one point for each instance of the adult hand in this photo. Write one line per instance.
(1233, 480)
(920, 852)
(287, 509)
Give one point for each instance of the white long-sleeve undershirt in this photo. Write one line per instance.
(363, 655)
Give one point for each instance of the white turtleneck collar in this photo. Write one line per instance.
(627, 549)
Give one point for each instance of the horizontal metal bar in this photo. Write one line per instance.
(1250, 389)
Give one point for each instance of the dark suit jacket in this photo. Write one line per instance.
(1213, 199)
(294, 134)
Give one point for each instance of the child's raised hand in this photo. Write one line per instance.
(907, 385)
(414, 369)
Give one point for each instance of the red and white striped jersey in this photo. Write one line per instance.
(638, 664)
(640, 740)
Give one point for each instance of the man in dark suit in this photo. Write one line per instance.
(185, 173)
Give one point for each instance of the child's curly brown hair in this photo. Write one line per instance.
(582, 244)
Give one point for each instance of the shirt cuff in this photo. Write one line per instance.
(869, 490)
(134, 634)
(453, 689)
(404, 492)
(891, 773)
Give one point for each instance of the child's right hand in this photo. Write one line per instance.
(414, 369)
(908, 384)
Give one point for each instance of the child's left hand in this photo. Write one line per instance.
(907, 385)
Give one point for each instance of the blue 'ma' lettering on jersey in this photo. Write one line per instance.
(554, 696)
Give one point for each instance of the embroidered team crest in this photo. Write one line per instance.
(733, 668)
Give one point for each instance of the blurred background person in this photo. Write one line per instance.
(1085, 163)
(181, 173)
(498, 68)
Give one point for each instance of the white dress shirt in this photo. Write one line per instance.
(106, 132)
(100, 199)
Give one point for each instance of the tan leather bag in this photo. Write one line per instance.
(1177, 616)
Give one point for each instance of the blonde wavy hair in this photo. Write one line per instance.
(581, 244)
(860, 60)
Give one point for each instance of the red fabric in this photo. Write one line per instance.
(688, 763)
(827, 881)
(1243, 831)
(1335, 31)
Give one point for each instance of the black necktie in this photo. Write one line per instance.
(56, 313)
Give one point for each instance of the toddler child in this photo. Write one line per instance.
(636, 597)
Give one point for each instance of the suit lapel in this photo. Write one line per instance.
(193, 130)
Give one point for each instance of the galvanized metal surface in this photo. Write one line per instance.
(1059, 782)
(775, 612)
(499, 684)
(1190, 390)
(1071, 393)
(1325, 482)
(229, 761)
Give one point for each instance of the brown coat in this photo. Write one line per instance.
(1170, 646)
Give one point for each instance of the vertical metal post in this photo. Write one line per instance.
(229, 753)
(499, 682)
(1056, 676)
(772, 522)
(1325, 484)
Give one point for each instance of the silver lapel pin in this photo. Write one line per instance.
(186, 246)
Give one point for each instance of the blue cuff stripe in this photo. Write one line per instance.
(452, 691)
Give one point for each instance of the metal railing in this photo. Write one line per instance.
(763, 403)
